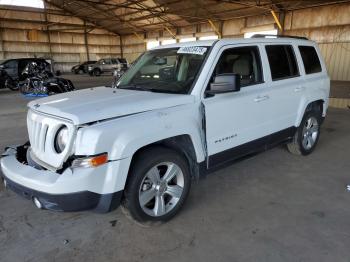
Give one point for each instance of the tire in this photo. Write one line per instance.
(25, 88)
(97, 72)
(151, 196)
(10, 84)
(307, 134)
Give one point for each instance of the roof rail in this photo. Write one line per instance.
(278, 36)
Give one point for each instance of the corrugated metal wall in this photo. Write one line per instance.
(24, 34)
(337, 57)
(328, 25)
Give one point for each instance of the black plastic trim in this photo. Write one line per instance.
(78, 201)
(254, 146)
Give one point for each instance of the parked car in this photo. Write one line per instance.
(181, 111)
(11, 71)
(108, 65)
(82, 68)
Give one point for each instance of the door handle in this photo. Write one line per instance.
(261, 98)
(298, 89)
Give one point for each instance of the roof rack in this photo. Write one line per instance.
(278, 36)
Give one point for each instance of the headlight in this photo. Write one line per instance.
(61, 139)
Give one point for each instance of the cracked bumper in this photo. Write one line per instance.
(68, 191)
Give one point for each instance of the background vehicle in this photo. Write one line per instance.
(11, 71)
(108, 65)
(82, 68)
(6, 81)
(180, 111)
(40, 81)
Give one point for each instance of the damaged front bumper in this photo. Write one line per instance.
(60, 192)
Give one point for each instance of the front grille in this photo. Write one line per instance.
(37, 132)
(41, 131)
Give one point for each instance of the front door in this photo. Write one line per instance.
(236, 122)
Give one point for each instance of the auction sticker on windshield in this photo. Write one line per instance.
(194, 50)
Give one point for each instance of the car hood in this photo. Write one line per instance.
(100, 103)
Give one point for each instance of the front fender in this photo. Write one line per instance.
(122, 137)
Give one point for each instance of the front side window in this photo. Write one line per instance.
(310, 59)
(282, 61)
(170, 70)
(244, 61)
(12, 64)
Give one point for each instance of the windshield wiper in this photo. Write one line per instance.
(134, 87)
(141, 88)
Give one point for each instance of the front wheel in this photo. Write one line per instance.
(158, 185)
(307, 134)
(10, 84)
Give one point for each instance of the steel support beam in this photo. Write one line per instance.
(47, 30)
(86, 42)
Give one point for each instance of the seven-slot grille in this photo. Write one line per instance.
(42, 130)
(37, 132)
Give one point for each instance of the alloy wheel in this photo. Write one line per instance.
(161, 189)
(310, 133)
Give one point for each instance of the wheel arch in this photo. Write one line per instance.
(182, 144)
(319, 105)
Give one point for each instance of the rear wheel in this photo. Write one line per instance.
(307, 134)
(159, 183)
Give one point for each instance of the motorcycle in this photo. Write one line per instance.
(41, 82)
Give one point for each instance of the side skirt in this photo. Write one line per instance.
(251, 148)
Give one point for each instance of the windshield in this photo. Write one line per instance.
(171, 70)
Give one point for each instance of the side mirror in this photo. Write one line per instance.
(225, 83)
(58, 73)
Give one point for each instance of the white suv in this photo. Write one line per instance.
(179, 112)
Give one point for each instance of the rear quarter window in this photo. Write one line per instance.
(282, 61)
(310, 58)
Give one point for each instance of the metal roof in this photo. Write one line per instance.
(140, 16)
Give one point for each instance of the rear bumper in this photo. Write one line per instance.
(30, 182)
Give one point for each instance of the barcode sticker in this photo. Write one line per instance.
(194, 50)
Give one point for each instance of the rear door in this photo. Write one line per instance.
(107, 65)
(316, 78)
(286, 86)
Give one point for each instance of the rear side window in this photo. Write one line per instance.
(310, 59)
(282, 61)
